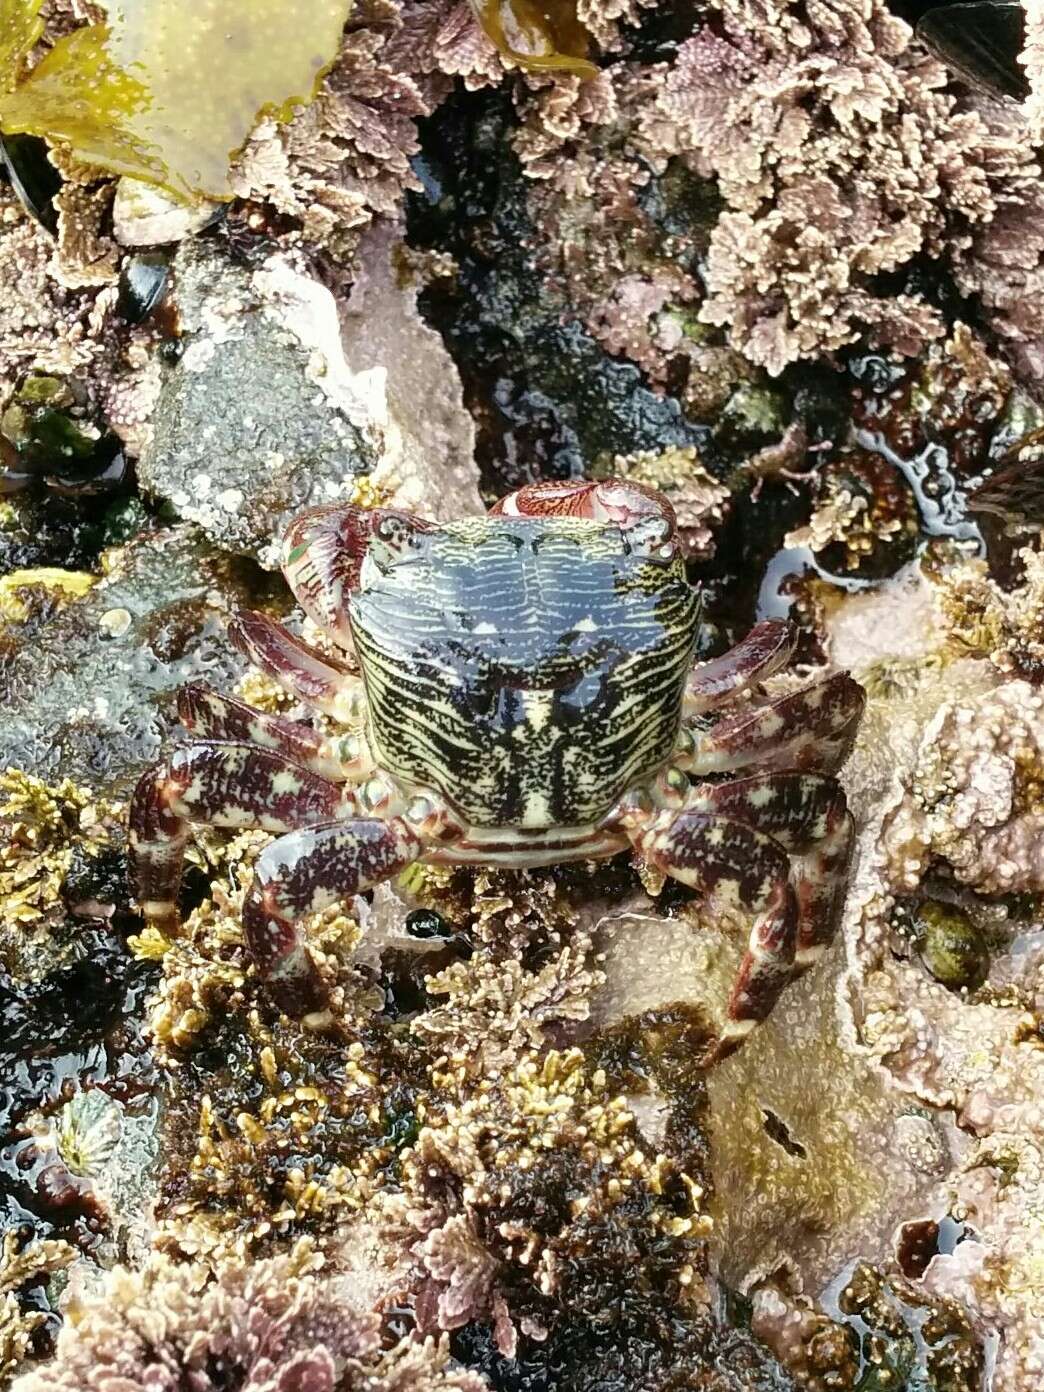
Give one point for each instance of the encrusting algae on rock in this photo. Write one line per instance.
(18, 1267)
(163, 91)
(276, 1324)
(40, 829)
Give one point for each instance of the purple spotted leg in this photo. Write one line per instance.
(211, 716)
(766, 649)
(743, 841)
(811, 728)
(307, 871)
(807, 815)
(316, 678)
(224, 785)
(733, 866)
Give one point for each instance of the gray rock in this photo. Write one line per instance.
(90, 693)
(260, 417)
(428, 461)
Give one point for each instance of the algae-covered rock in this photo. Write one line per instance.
(165, 91)
(260, 415)
(283, 399)
(89, 693)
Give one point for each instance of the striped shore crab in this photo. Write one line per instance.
(519, 690)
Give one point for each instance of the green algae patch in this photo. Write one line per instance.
(542, 35)
(166, 91)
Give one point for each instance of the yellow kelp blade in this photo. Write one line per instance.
(168, 91)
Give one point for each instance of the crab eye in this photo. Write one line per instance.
(652, 537)
(395, 538)
(389, 529)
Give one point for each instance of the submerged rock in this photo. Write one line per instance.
(89, 693)
(282, 399)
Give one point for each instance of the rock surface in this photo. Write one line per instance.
(278, 402)
(89, 693)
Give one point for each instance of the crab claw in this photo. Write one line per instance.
(323, 551)
(610, 500)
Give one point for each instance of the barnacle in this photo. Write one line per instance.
(89, 1129)
(165, 92)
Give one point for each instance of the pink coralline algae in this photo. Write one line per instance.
(839, 156)
(274, 1326)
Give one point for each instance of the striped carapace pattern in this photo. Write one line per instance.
(530, 671)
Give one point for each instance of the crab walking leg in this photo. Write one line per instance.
(813, 728)
(732, 865)
(225, 785)
(315, 678)
(766, 649)
(307, 871)
(807, 815)
(211, 716)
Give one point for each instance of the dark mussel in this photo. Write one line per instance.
(32, 176)
(980, 42)
(42, 440)
(1016, 491)
(144, 281)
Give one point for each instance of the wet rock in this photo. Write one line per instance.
(548, 398)
(283, 398)
(943, 783)
(427, 461)
(143, 215)
(800, 1178)
(90, 698)
(260, 415)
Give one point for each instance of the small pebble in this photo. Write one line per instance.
(115, 622)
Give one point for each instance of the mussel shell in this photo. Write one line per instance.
(144, 281)
(33, 177)
(1015, 493)
(981, 43)
(109, 473)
